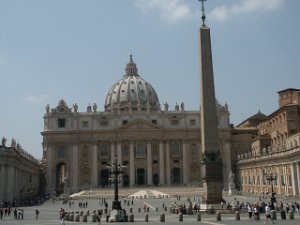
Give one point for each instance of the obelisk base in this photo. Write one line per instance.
(212, 185)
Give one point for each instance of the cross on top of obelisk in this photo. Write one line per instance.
(203, 11)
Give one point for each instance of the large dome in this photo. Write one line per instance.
(132, 93)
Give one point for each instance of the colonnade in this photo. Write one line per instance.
(286, 178)
(19, 183)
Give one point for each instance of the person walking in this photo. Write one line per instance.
(268, 214)
(62, 216)
(250, 211)
(37, 212)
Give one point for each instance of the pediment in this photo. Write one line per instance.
(139, 124)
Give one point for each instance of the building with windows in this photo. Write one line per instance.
(269, 147)
(20, 174)
(160, 146)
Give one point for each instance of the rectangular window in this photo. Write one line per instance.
(193, 122)
(61, 152)
(103, 123)
(85, 124)
(154, 121)
(125, 122)
(155, 149)
(140, 150)
(104, 150)
(61, 123)
(175, 149)
(125, 150)
(174, 122)
(155, 162)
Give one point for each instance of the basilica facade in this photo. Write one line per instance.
(160, 146)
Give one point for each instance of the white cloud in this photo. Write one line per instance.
(170, 10)
(244, 7)
(39, 99)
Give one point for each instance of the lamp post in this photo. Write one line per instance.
(115, 170)
(271, 178)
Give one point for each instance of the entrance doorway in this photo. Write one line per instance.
(126, 181)
(176, 176)
(140, 177)
(155, 179)
(103, 178)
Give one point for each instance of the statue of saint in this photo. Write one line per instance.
(75, 106)
(231, 184)
(95, 107)
(176, 107)
(166, 107)
(182, 106)
(13, 143)
(4, 142)
(89, 108)
(148, 106)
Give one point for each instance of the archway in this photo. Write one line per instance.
(103, 178)
(155, 179)
(61, 177)
(140, 176)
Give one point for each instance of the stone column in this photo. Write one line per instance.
(112, 153)
(279, 181)
(17, 183)
(2, 184)
(294, 179)
(94, 168)
(131, 165)
(50, 170)
(10, 183)
(298, 177)
(168, 164)
(119, 152)
(74, 170)
(286, 181)
(149, 163)
(184, 162)
(161, 164)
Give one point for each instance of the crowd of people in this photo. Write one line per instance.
(18, 213)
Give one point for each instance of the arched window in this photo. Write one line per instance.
(85, 151)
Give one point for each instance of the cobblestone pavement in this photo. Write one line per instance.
(49, 211)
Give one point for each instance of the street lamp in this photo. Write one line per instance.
(115, 170)
(271, 178)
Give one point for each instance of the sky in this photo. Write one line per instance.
(77, 49)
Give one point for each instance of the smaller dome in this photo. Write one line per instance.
(132, 93)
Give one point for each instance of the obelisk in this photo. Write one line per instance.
(211, 160)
